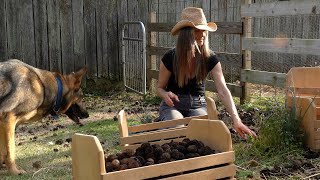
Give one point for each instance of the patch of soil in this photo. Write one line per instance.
(107, 107)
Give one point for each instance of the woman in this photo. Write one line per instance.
(183, 71)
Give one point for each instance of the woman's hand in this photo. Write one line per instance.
(242, 129)
(169, 97)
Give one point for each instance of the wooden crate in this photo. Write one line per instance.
(303, 93)
(131, 137)
(88, 158)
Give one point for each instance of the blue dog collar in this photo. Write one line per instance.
(57, 104)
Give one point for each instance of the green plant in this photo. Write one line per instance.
(279, 132)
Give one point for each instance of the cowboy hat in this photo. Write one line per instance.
(193, 17)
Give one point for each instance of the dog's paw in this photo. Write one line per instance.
(15, 171)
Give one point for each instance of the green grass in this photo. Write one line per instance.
(275, 126)
(57, 165)
(280, 136)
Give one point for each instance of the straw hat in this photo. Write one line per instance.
(193, 17)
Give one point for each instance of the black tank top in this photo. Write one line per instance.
(192, 87)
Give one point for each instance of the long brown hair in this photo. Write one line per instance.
(186, 49)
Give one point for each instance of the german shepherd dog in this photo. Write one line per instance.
(28, 94)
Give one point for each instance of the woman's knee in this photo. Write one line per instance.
(198, 112)
(170, 114)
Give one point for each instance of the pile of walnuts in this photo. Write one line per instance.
(149, 154)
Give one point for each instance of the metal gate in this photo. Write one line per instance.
(133, 41)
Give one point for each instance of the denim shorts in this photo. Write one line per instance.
(187, 106)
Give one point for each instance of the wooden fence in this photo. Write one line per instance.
(63, 35)
(249, 43)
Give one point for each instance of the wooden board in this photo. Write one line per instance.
(282, 45)
(263, 77)
(303, 77)
(87, 157)
(173, 167)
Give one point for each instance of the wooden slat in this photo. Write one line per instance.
(41, 36)
(122, 124)
(234, 89)
(163, 124)
(90, 37)
(78, 34)
(151, 59)
(113, 38)
(308, 112)
(213, 133)
(87, 157)
(310, 91)
(212, 109)
(26, 26)
(247, 55)
(3, 31)
(54, 36)
(282, 45)
(223, 27)
(303, 77)
(172, 167)
(101, 29)
(153, 136)
(214, 173)
(66, 36)
(263, 77)
(162, 17)
(157, 50)
(280, 8)
(13, 31)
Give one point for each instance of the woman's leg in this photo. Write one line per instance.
(168, 113)
(198, 106)
(198, 111)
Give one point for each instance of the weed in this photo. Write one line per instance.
(279, 134)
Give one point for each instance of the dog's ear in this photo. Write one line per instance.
(78, 75)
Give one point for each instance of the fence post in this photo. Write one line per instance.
(152, 41)
(246, 55)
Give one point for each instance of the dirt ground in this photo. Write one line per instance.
(146, 110)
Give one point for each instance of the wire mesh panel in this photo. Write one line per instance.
(134, 56)
(293, 26)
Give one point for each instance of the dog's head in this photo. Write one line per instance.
(78, 110)
(72, 101)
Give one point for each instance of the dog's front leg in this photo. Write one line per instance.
(2, 149)
(7, 124)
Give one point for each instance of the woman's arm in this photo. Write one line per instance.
(164, 75)
(228, 102)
